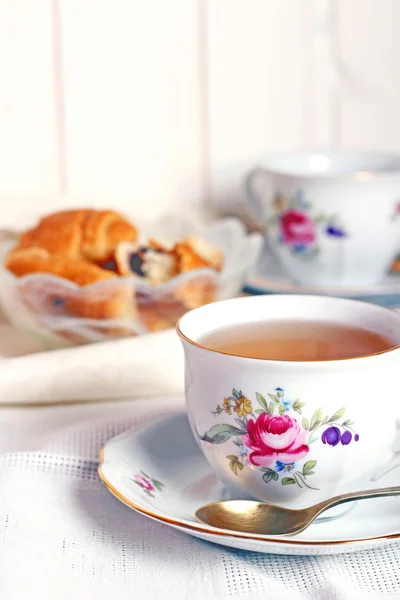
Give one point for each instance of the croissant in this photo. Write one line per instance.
(80, 234)
(115, 301)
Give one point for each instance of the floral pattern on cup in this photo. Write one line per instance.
(275, 437)
(148, 484)
(396, 210)
(298, 227)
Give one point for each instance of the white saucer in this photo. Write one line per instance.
(268, 278)
(160, 472)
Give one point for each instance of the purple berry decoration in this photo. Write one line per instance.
(346, 438)
(331, 436)
(356, 437)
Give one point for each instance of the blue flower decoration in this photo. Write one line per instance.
(280, 466)
(301, 200)
(335, 231)
(244, 455)
(278, 389)
(287, 403)
(299, 248)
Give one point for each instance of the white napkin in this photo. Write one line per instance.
(138, 366)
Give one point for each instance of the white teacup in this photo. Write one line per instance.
(331, 218)
(292, 433)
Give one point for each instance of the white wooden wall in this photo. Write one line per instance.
(156, 105)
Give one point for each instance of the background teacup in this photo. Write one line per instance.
(292, 433)
(330, 217)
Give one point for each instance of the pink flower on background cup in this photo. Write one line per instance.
(275, 438)
(297, 228)
(144, 483)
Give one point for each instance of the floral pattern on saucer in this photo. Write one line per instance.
(272, 437)
(148, 484)
(298, 227)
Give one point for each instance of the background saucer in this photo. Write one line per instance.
(268, 278)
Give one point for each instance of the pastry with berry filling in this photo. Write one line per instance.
(156, 264)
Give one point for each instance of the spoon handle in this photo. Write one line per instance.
(349, 497)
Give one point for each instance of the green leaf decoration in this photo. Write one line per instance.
(308, 467)
(269, 474)
(260, 411)
(320, 219)
(270, 409)
(237, 442)
(288, 481)
(221, 433)
(282, 409)
(313, 437)
(298, 404)
(305, 423)
(158, 485)
(297, 409)
(240, 465)
(236, 394)
(232, 457)
(274, 398)
(233, 465)
(280, 394)
(145, 475)
(347, 422)
(261, 401)
(316, 419)
(325, 420)
(338, 415)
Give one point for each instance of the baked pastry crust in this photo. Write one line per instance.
(80, 234)
(38, 260)
(115, 301)
(396, 265)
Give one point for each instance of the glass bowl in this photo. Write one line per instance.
(61, 313)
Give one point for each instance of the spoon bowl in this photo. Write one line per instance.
(267, 519)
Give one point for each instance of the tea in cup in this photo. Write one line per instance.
(292, 399)
(330, 217)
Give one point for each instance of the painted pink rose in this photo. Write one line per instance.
(144, 483)
(275, 438)
(297, 227)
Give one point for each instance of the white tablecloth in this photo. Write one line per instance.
(63, 535)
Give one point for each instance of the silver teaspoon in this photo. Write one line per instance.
(248, 516)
